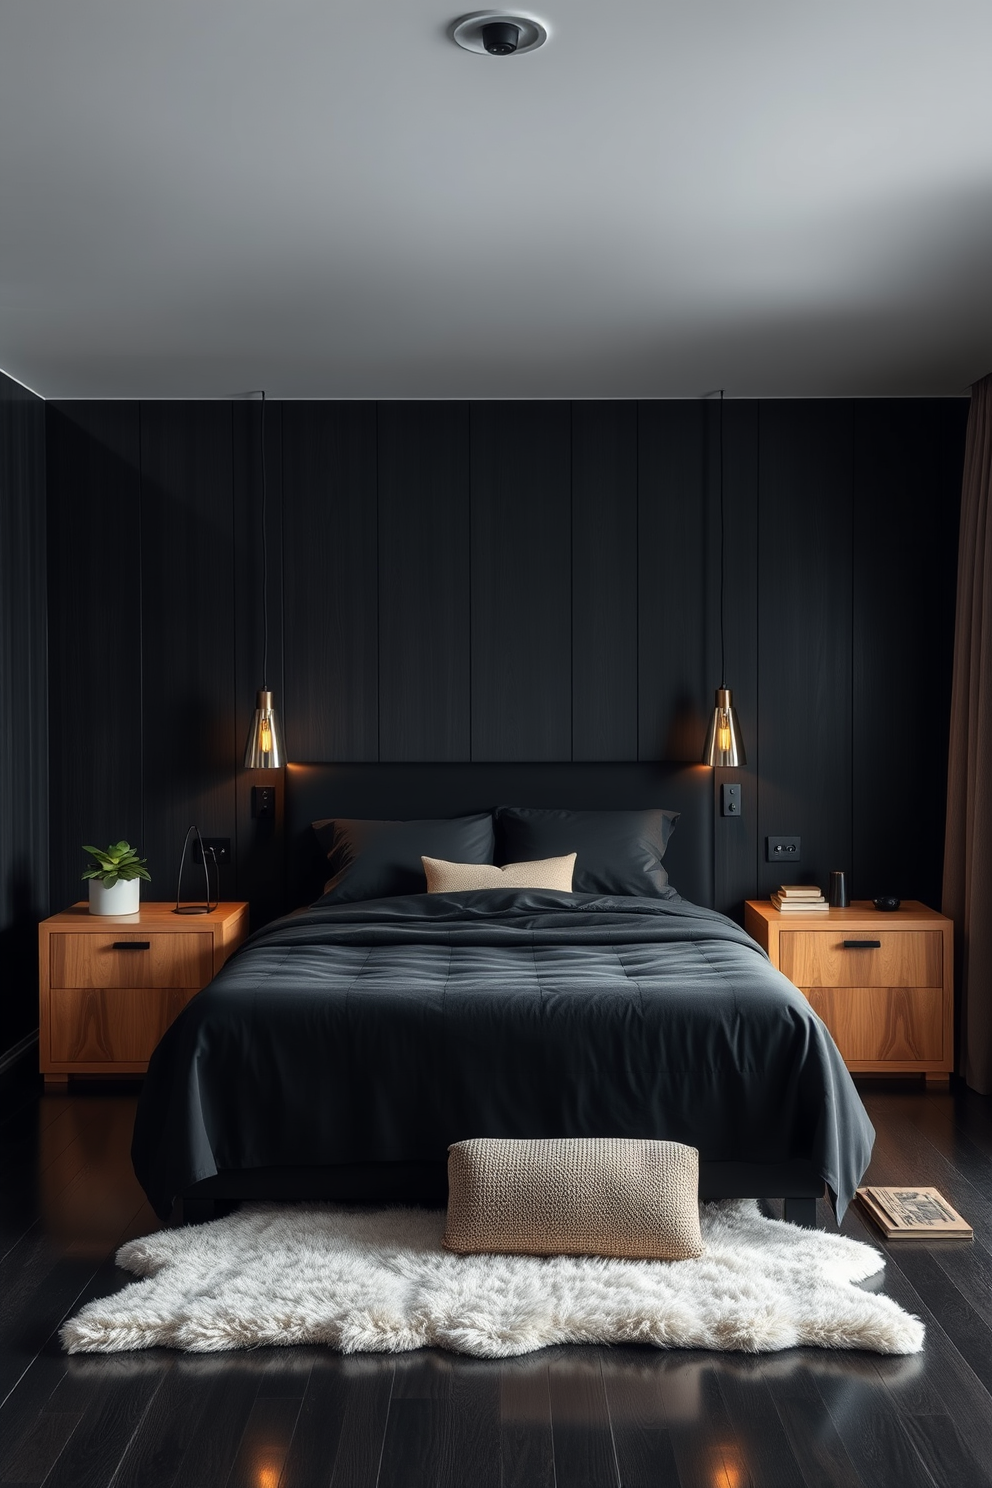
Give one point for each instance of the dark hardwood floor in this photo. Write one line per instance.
(562, 1418)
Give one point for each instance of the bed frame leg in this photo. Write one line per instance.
(801, 1212)
(197, 1211)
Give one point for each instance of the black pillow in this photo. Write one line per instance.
(377, 859)
(619, 852)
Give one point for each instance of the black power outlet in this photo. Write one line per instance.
(217, 849)
(783, 849)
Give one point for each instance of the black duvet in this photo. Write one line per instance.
(384, 1031)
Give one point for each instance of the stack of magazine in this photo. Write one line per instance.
(799, 899)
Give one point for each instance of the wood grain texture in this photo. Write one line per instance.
(424, 581)
(24, 816)
(112, 1026)
(331, 581)
(526, 1446)
(908, 463)
(187, 699)
(584, 1452)
(265, 1444)
(890, 1008)
(102, 1009)
(521, 581)
(804, 633)
(880, 1026)
(604, 581)
(635, 1395)
(177, 960)
(676, 484)
(904, 958)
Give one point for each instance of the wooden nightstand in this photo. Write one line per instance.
(882, 983)
(110, 985)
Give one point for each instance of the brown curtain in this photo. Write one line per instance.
(968, 843)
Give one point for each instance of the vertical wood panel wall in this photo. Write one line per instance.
(509, 581)
(24, 713)
(805, 637)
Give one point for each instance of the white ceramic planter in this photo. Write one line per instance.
(123, 898)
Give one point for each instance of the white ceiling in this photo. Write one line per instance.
(327, 198)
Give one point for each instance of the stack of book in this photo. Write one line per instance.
(799, 899)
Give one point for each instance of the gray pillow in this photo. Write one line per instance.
(378, 859)
(617, 852)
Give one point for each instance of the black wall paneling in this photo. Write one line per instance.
(805, 635)
(330, 565)
(258, 845)
(736, 840)
(503, 582)
(676, 488)
(186, 698)
(908, 465)
(424, 581)
(521, 558)
(95, 635)
(604, 581)
(24, 716)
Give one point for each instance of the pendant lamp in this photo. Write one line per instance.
(262, 749)
(724, 745)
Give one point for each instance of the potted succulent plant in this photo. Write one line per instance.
(114, 888)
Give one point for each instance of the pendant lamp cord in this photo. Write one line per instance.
(723, 641)
(265, 560)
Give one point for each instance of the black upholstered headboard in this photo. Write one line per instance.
(406, 792)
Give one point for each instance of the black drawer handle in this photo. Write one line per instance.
(862, 945)
(131, 945)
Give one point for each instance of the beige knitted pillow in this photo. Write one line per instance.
(574, 1196)
(453, 878)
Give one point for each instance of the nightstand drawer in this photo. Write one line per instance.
(111, 1025)
(882, 1024)
(899, 958)
(132, 958)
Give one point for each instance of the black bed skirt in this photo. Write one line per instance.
(426, 1184)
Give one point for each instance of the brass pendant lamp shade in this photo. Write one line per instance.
(724, 745)
(263, 750)
(723, 738)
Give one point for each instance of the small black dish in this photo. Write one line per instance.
(886, 902)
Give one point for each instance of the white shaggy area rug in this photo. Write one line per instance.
(380, 1282)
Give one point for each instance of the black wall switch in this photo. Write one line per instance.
(730, 800)
(263, 802)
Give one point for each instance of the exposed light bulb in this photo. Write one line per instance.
(723, 734)
(262, 751)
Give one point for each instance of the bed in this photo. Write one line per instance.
(345, 1046)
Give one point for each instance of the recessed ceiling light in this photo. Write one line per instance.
(497, 34)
